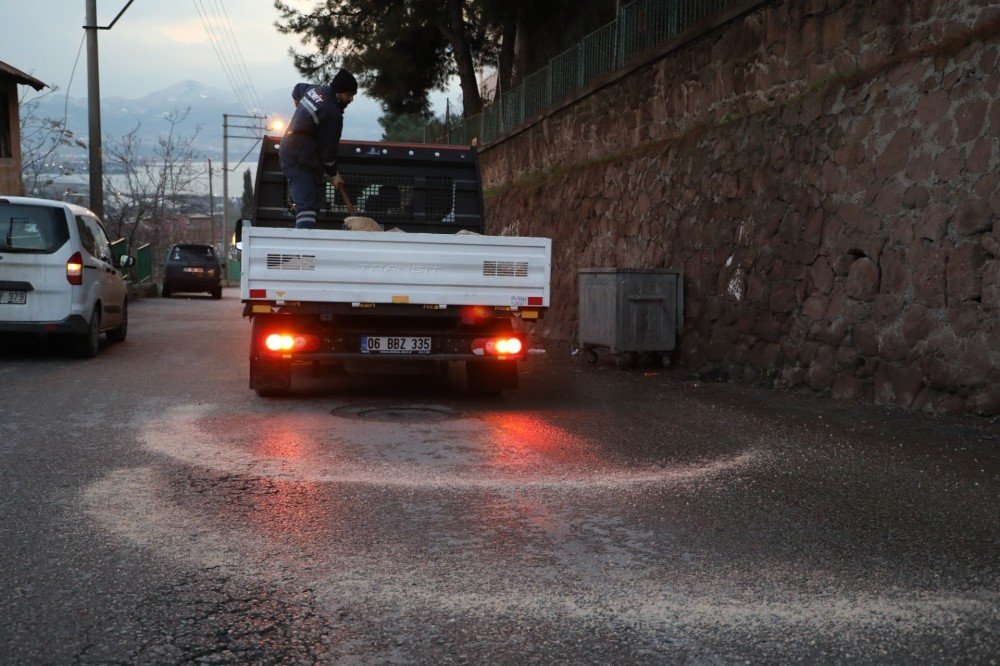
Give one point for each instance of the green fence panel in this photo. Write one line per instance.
(512, 108)
(463, 131)
(565, 74)
(142, 270)
(233, 269)
(143, 264)
(537, 93)
(597, 53)
(118, 248)
(490, 123)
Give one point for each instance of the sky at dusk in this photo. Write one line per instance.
(155, 44)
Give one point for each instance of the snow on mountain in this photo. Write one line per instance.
(121, 115)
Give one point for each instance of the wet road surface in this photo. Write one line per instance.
(156, 510)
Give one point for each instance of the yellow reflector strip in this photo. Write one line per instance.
(400, 299)
(261, 309)
(529, 314)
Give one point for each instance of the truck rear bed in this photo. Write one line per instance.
(326, 266)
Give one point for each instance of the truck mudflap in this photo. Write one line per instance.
(270, 375)
(491, 377)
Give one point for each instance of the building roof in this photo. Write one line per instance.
(6, 71)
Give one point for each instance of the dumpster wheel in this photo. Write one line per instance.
(626, 360)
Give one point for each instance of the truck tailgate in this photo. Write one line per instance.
(280, 264)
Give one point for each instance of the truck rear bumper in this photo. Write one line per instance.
(343, 356)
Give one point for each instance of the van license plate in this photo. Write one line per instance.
(13, 297)
(390, 344)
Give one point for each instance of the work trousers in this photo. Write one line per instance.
(307, 189)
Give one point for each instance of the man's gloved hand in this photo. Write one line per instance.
(337, 180)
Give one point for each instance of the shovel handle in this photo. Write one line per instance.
(347, 199)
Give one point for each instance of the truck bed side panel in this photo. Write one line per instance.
(385, 267)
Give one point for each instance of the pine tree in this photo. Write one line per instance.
(246, 202)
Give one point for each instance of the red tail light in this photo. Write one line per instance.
(285, 342)
(502, 346)
(74, 269)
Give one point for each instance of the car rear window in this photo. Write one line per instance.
(197, 254)
(32, 229)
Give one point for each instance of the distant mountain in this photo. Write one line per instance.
(120, 115)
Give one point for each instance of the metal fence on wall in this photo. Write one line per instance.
(639, 26)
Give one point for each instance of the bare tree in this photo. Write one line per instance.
(144, 190)
(42, 141)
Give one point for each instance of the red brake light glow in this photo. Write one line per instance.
(509, 346)
(497, 346)
(74, 269)
(291, 342)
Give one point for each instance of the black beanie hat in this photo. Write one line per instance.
(344, 82)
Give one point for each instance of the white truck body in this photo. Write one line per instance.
(413, 301)
(326, 266)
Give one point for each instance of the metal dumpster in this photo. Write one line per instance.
(629, 311)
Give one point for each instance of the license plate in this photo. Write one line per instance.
(391, 344)
(193, 269)
(13, 297)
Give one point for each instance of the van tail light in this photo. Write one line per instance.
(281, 342)
(501, 347)
(74, 269)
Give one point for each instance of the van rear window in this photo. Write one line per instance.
(193, 253)
(32, 229)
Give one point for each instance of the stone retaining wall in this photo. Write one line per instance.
(826, 174)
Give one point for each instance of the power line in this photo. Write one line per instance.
(216, 41)
(240, 60)
(215, 18)
(213, 37)
(76, 62)
(225, 42)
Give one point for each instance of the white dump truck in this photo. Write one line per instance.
(427, 291)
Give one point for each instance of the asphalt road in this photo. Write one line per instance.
(154, 509)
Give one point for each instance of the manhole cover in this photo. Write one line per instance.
(397, 412)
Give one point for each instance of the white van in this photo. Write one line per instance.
(57, 275)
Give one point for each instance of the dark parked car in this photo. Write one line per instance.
(192, 267)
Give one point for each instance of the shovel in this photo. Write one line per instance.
(356, 222)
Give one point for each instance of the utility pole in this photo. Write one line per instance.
(258, 132)
(225, 189)
(94, 114)
(211, 204)
(94, 106)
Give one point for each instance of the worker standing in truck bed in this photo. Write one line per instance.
(309, 146)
